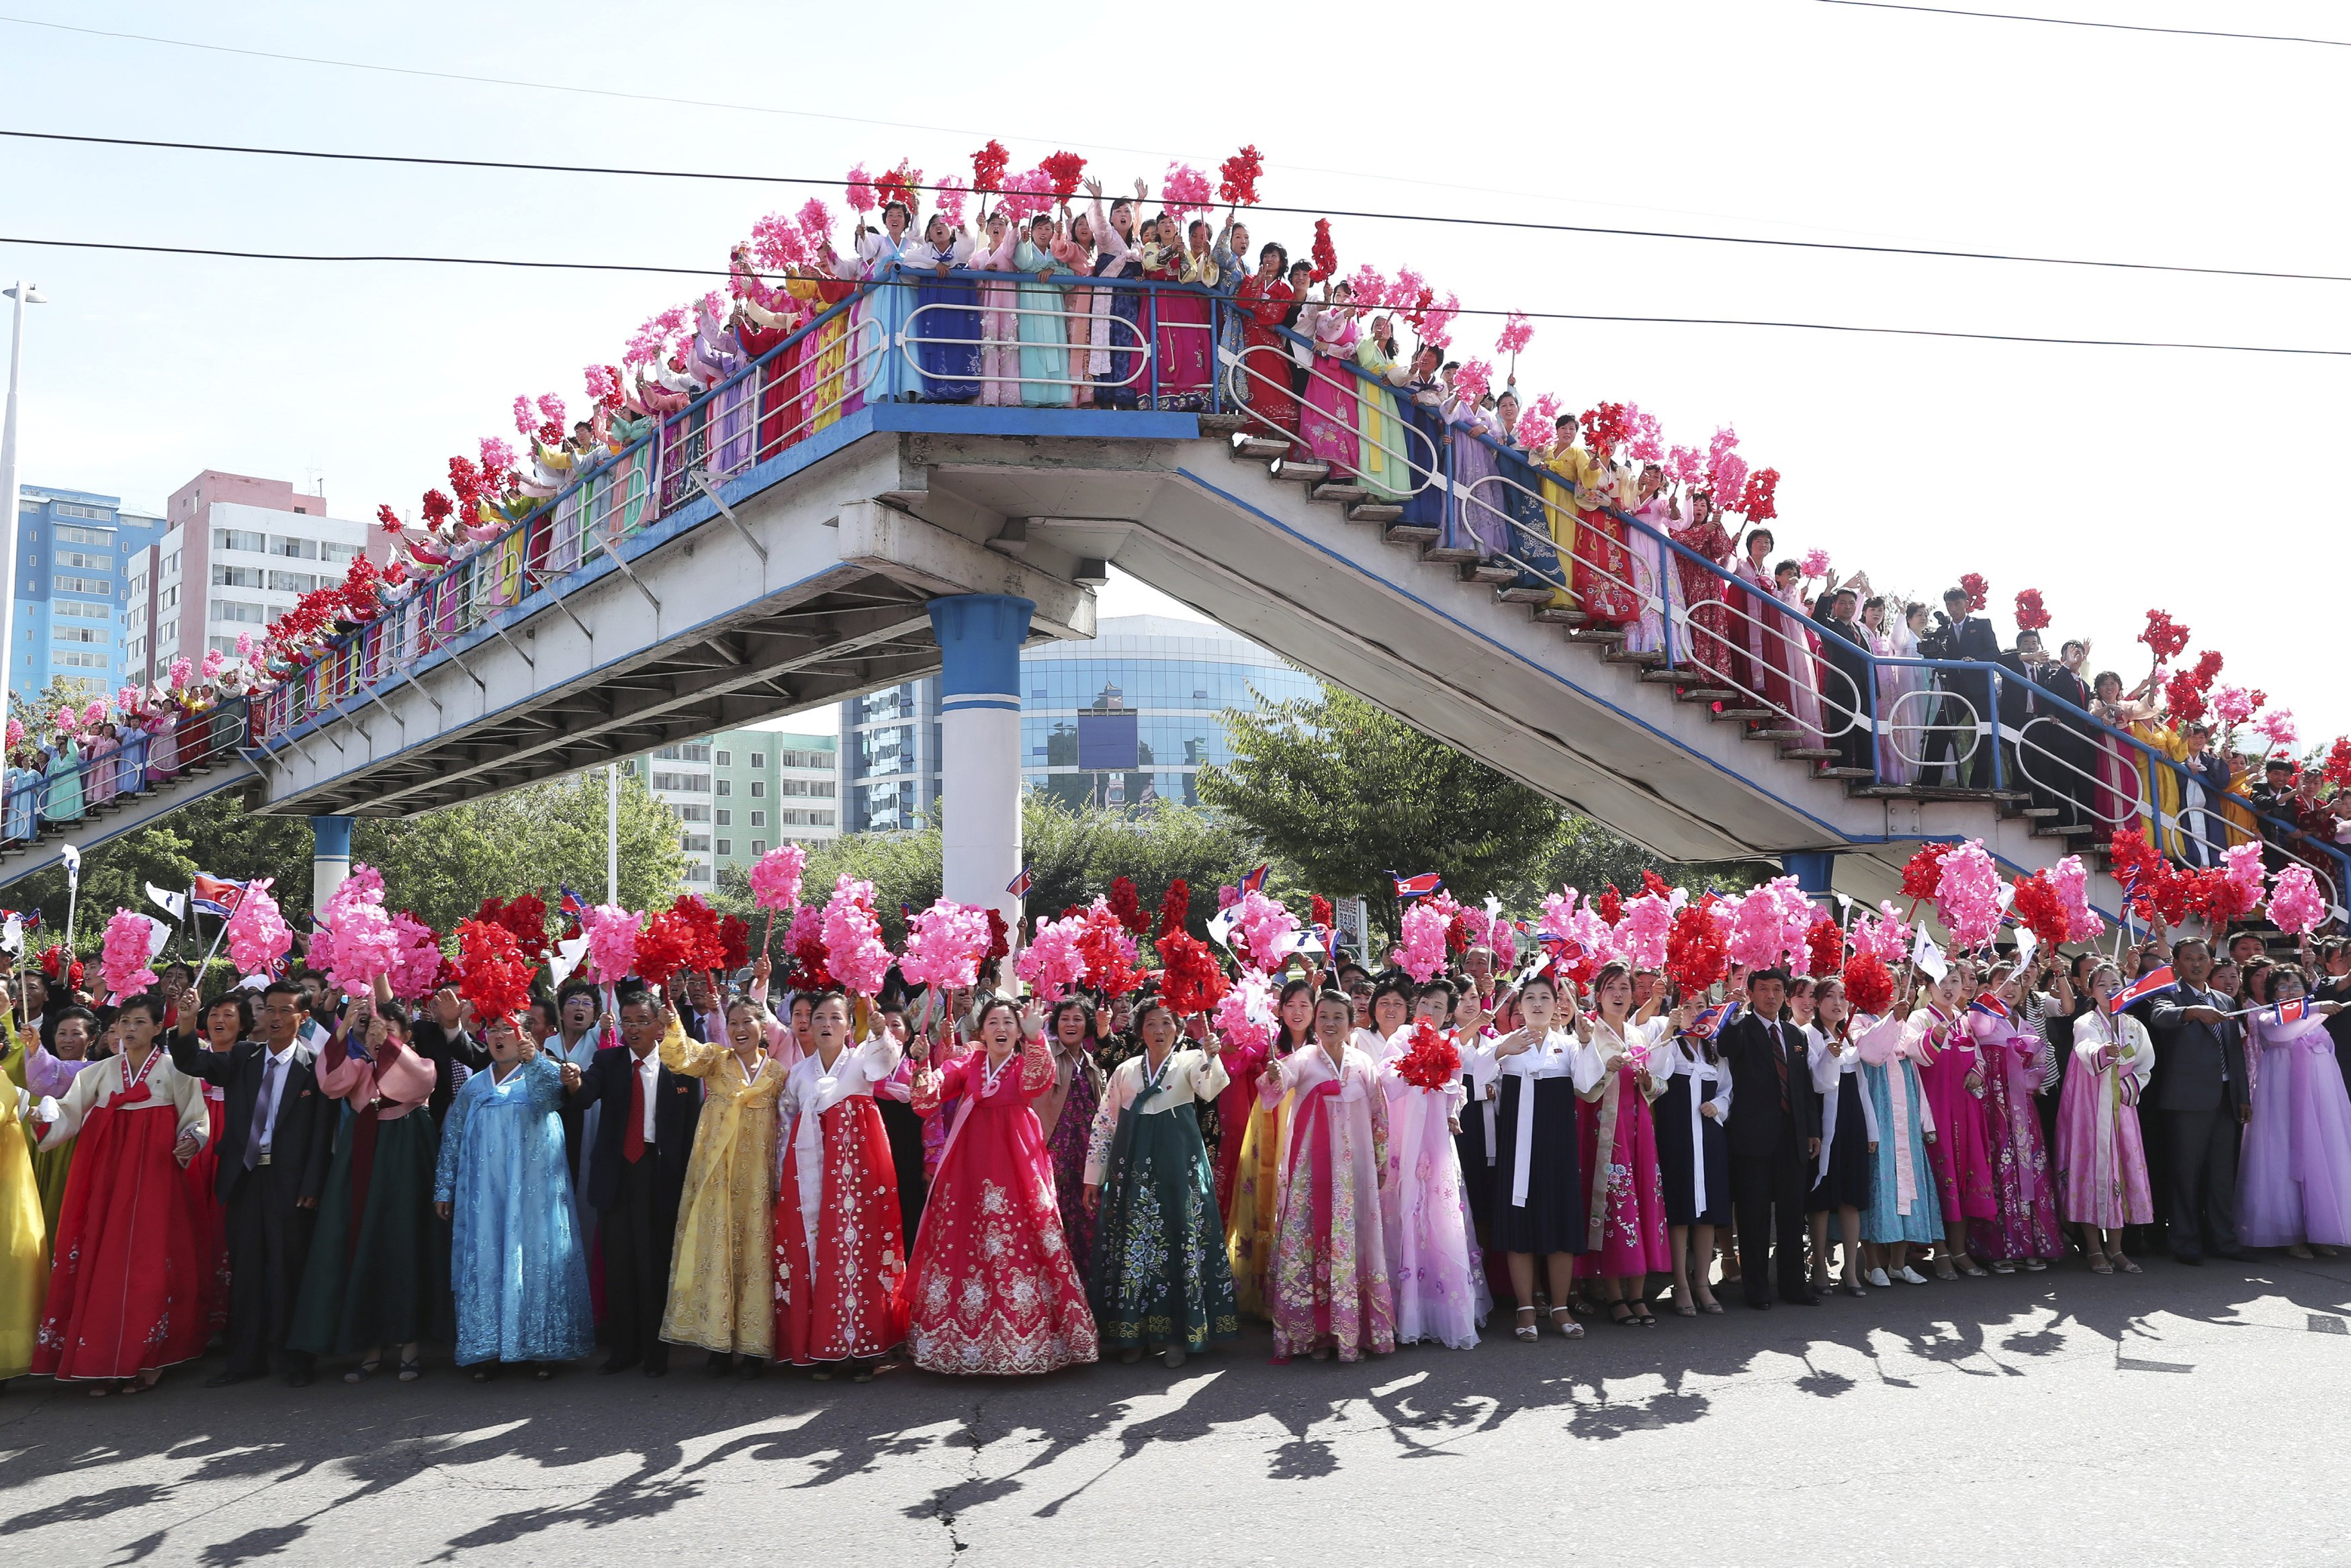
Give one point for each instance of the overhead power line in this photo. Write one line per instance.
(1846, 328)
(2105, 27)
(834, 180)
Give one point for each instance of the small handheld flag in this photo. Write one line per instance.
(215, 896)
(1991, 1006)
(1420, 886)
(572, 904)
(1709, 1020)
(1019, 886)
(2278, 1014)
(1255, 881)
(172, 904)
(2154, 982)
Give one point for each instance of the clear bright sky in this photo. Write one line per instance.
(2112, 479)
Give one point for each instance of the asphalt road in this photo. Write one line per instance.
(2186, 1415)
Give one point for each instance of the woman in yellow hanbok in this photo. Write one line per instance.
(1256, 1176)
(721, 1295)
(1384, 456)
(23, 1238)
(1567, 473)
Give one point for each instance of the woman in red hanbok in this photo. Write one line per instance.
(1600, 570)
(841, 1252)
(1264, 299)
(1706, 634)
(1778, 662)
(126, 1293)
(991, 1287)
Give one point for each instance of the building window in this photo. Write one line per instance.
(726, 786)
(172, 563)
(294, 549)
(238, 612)
(99, 585)
(758, 788)
(759, 847)
(758, 759)
(819, 819)
(237, 539)
(167, 631)
(685, 784)
(292, 582)
(822, 789)
(76, 660)
(692, 813)
(81, 611)
(139, 584)
(726, 817)
(78, 634)
(71, 535)
(758, 819)
(792, 787)
(220, 645)
(725, 759)
(695, 871)
(238, 576)
(697, 843)
(697, 752)
(330, 551)
(83, 535)
(725, 846)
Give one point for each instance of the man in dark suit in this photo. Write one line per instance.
(276, 1130)
(2070, 735)
(2027, 723)
(2201, 1101)
(1775, 1135)
(1850, 692)
(1955, 746)
(446, 1039)
(643, 1138)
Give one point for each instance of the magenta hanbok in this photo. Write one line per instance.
(1625, 1199)
(1437, 1275)
(2024, 1224)
(1327, 420)
(1778, 653)
(2101, 1158)
(2293, 1182)
(1327, 1282)
(1961, 1151)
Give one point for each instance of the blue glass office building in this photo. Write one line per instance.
(1125, 720)
(75, 554)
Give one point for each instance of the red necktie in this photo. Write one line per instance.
(1779, 1060)
(633, 1138)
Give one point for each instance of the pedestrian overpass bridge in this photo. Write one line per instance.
(753, 558)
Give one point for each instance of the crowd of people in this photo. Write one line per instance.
(974, 1159)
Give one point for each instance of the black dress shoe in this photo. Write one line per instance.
(1807, 1299)
(224, 1379)
(2193, 1260)
(617, 1362)
(2234, 1254)
(719, 1365)
(1763, 1306)
(297, 1380)
(656, 1368)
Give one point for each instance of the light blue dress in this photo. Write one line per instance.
(516, 1263)
(1044, 336)
(1882, 1220)
(880, 317)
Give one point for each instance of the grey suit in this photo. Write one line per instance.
(2198, 1091)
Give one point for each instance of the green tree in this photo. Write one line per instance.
(1347, 794)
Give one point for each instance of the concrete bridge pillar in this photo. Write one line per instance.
(980, 636)
(1814, 871)
(330, 857)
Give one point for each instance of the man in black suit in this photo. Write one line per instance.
(276, 1131)
(2201, 1102)
(2027, 723)
(2070, 735)
(1955, 746)
(643, 1138)
(1850, 694)
(446, 1040)
(1775, 1135)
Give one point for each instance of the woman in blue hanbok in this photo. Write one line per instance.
(1045, 381)
(878, 320)
(1519, 493)
(62, 799)
(1231, 255)
(24, 801)
(515, 1262)
(1116, 361)
(948, 338)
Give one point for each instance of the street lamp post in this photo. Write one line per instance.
(24, 293)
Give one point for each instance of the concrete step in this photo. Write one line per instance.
(1344, 491)
(1256, 447)
(1807, 753)
(1373, 512)
(1301, 470)
(1524, 596)
(1409, 533)
(1495, 572)
(1448, 554)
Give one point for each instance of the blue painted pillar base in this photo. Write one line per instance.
(1813, 870)
(331, 858)
(980, 638)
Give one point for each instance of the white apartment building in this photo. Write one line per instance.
(239, 552)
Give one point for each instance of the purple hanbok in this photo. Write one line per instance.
(2293, 1182)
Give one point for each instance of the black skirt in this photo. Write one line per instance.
(1478, 1159)
(904, 1129)
(1851, 1168)
(1553, 1219)
(1677, 1164)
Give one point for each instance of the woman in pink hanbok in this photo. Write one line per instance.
(1653, 574)
(999, 354)
(2294, 1187)
(2101, 1158)
(1328, 1285)
(1778, 652)
(1951, 1074)
(2023, 1226)
(1893, 629)
(1327, 420)
(1436, 1274)
(1625, 1194)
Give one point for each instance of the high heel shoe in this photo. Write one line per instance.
(1527, 1330)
